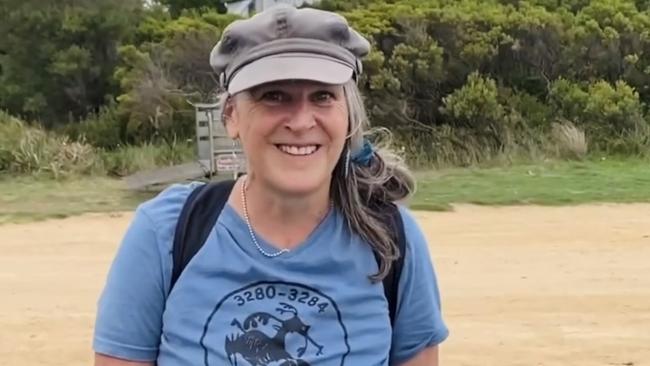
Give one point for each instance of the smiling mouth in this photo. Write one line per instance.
(295, 150)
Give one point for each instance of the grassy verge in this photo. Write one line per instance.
(28, 199)
(553, 183)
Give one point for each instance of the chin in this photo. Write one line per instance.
(300, 183)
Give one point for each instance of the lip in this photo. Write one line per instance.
(302, 145)
(298, 144)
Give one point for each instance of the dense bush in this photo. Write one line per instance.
(502, 75)
(104, 129)
(458, 81)
(57, 59)
(611, 115)
(28, 149)
(130, 159)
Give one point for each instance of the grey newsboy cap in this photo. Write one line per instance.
(284, 43)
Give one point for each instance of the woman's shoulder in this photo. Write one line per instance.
(419, 321)
(418, 245)
(163, 210)
(416, 239)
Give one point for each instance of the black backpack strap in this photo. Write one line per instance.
(198, 216)
(391, 281)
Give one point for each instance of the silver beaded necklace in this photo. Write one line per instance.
(250, 227)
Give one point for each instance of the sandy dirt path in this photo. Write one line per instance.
(521, 285)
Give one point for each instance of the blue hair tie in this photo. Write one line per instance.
(364, 156)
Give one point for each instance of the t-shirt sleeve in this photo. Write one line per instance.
(129, 311)
(419, 322)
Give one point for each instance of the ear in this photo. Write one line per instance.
(230, 119)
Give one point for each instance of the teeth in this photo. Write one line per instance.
(298, 150)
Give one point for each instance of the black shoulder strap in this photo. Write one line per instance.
(391, 281)
(198, 216)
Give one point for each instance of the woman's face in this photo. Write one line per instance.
(292, 132)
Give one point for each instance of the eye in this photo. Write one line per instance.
(324, 97)
(274, 96)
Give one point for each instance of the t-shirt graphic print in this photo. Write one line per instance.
(282, 323)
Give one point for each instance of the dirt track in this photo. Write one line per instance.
(521, 285)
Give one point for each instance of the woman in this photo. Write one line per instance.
(288, 274)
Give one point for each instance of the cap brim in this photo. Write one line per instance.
(290, 67)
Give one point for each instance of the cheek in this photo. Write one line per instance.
(338, 127)
(252, 125)
(337, 120)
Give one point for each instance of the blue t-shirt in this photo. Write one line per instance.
(234, 306)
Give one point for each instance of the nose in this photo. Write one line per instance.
(303, 117)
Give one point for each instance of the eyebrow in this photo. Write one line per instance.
(257, 90)
(289, 83)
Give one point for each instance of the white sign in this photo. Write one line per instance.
(229, 162)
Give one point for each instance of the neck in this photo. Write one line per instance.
(284, 219)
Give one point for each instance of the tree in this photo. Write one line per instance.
(166, 72)
(176, 7)
(58, 59)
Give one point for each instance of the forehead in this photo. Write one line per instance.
(295, 85)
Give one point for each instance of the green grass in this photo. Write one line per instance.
(553, 183)
(24, 199)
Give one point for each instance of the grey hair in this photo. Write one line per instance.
(362, 192)
(365, 189)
